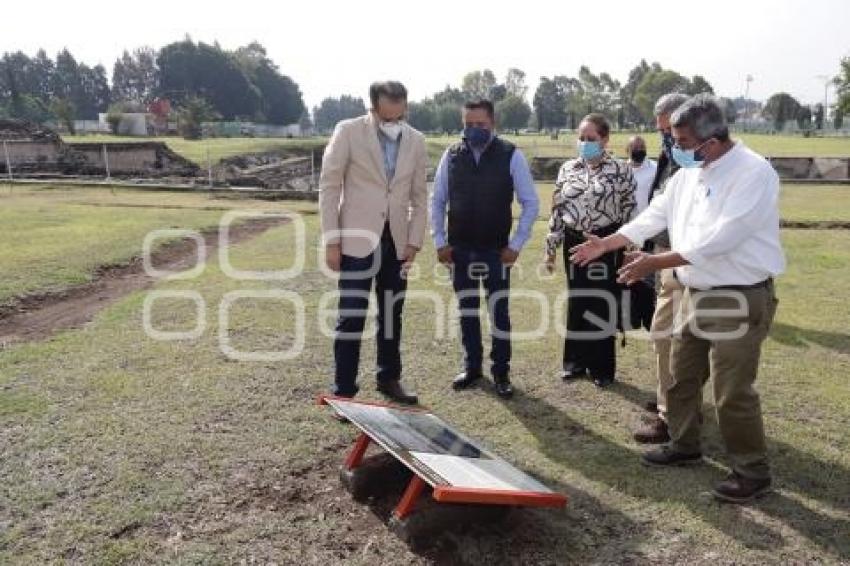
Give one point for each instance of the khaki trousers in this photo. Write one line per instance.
(667, 304)
(716, 343)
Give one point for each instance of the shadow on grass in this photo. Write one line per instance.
(574, 446)
(797, 337)
(471, 534)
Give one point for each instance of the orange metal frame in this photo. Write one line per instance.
(442, 493)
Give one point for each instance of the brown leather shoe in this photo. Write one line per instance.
(652, 432)
(395, 392)
(738, 489)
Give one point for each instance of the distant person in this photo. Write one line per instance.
(595, 194)
(643, 170)
(373, 204)
(474, 186)
(721, 211)
(669, 289)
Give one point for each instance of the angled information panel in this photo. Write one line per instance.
(458, 468)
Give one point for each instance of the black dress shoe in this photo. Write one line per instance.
(573, 372)
(395, 392)
(603, 382)
(504, 389)
(465, 379)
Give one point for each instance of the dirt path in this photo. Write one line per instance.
(37, 316)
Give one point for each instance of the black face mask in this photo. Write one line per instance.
(638, 155)
(667, 144)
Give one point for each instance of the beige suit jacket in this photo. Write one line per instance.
(355, 195)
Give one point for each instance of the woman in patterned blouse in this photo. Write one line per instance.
(594, 193)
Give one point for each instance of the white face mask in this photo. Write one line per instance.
(391, 129)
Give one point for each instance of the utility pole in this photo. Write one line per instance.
(747, 81)
(826, 82)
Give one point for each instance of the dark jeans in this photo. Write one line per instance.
(591, 292)
(473, 268)
(355, 285)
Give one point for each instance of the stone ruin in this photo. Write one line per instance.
(36, 151)
(270, 171)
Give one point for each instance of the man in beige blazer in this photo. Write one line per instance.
(373, 202)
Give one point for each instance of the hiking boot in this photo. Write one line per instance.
(652, 432)
(739, 489)
(666, 456)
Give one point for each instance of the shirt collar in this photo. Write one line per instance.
(725, 159)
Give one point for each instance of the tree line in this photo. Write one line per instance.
(561, 101)
(210, 81)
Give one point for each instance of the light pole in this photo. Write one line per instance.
(747, 82)
(826, 82)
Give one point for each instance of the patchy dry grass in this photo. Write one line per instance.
(116, 448)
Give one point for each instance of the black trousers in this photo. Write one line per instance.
(592, 309)
(355, 285)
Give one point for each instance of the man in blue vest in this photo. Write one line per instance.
(474, 188)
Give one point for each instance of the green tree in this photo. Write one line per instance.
(550, 105)
(448, 118)
(515, 83)
(422, 116)
(280, 98)
(333, 110)
(449, 95)
(804, 118)
(699, 85)
(190, 70)
(632, 114)
(513, 113)
(191, 115)
(780, 108)
(653, 85)
(135, 76)
(64, 112)
(842, 87)
(477, 84)
(819, 116)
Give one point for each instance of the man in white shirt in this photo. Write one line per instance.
(643, 170)
(721, 210)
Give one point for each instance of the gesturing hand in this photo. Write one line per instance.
(407, 260)
(509, 256)
(333, 256)
(584, 253)
(636, 266)
(444, 255)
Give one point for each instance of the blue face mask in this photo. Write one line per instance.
(589, 149)
(476, 137)
(688, 158)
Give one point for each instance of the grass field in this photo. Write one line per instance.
(120, 449)
(532, 145)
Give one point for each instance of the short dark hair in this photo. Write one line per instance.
(393, 90)
(704, 115)
(600, 121)
(481, 104)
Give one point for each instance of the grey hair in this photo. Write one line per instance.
(669, 102)
(705, 116)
